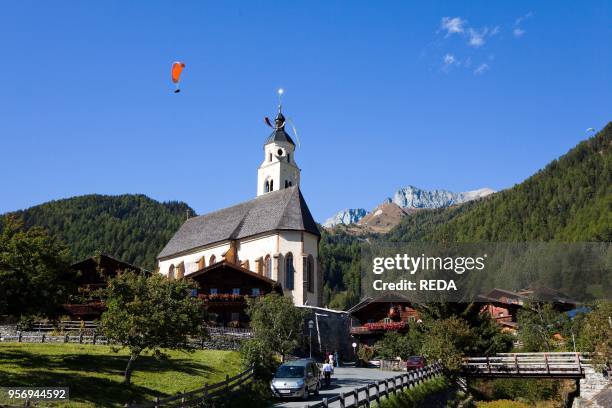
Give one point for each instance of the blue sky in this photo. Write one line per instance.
(384, 94)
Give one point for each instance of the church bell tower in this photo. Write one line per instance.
(278, 169)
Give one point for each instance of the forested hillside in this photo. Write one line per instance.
(569, 200)
(133, 228)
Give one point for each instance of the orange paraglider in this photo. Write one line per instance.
(177, 69)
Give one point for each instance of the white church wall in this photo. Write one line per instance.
(191, 259)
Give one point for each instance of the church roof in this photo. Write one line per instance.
(279, 134)
(283, 209)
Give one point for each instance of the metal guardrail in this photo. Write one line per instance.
(375, 391)
(217, 391)
(559, 365)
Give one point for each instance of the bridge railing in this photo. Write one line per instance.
(568, 365)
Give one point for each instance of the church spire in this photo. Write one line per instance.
(278, 169)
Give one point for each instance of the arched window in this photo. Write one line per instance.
(266, 186)
(180, 272)
(268, 266)
(310, 279)
(289, 271)
(271, 185)
(212, 260)
(286, 183)
(288, 157)
(270, 157)
(171, 272)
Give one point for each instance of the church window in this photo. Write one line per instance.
(286, 183)
(288, 157)
(214, 291)
(171, 272)
(271, 185)
(266, 186)
(268, 266)
(270, 157)
(289, 271)
(310, 283)
(280, 152)
(235, 291)
(212, 260)
(255, 292)
(290, 183)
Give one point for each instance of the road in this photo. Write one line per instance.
(344, 379)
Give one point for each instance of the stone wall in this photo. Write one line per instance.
(595, 390)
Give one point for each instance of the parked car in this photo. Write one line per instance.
(415, 362)
(298, 378)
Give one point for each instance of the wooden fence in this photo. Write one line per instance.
(380, 389)
(544, 365)
(209, 392)
(45, 338)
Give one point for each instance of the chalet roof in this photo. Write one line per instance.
(385, 298)
(226, 264)
(283, 209)
(104, 261)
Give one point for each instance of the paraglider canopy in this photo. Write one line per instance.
(177, 69)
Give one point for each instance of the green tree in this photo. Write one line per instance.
(596, 333)
(538, 323)
(447, 340)
(150, 313)
(35, 277)
(276, 323)
(395, 344)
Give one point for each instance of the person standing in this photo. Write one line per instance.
(327, 371)
(331, 359)
(336, 360)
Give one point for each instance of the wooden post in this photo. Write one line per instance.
(377, 396)
(94, 338)
(205, 390)
(578, 363)
(368, 395)
(157, 402)
(19, 336)
(42, 338)
(226, 383)
(546, 362)
(81, 338)
(516, 363)
(342, 400)
(488, 365)
(325, 403)
(66, 338)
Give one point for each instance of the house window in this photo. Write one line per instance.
(235, 291)
(268, 266)
(289, 271)
(411, 319)
(214, 291)
(212, 260)
(235, 317)
(255, 292)
(310, 283)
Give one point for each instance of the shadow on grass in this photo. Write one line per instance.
(43, 370)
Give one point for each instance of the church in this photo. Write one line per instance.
(271, 239)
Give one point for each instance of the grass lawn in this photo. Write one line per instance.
(95, 373)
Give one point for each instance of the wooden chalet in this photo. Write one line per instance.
(93, 275)
(224, 287)
(373, 317)
(503, 305)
